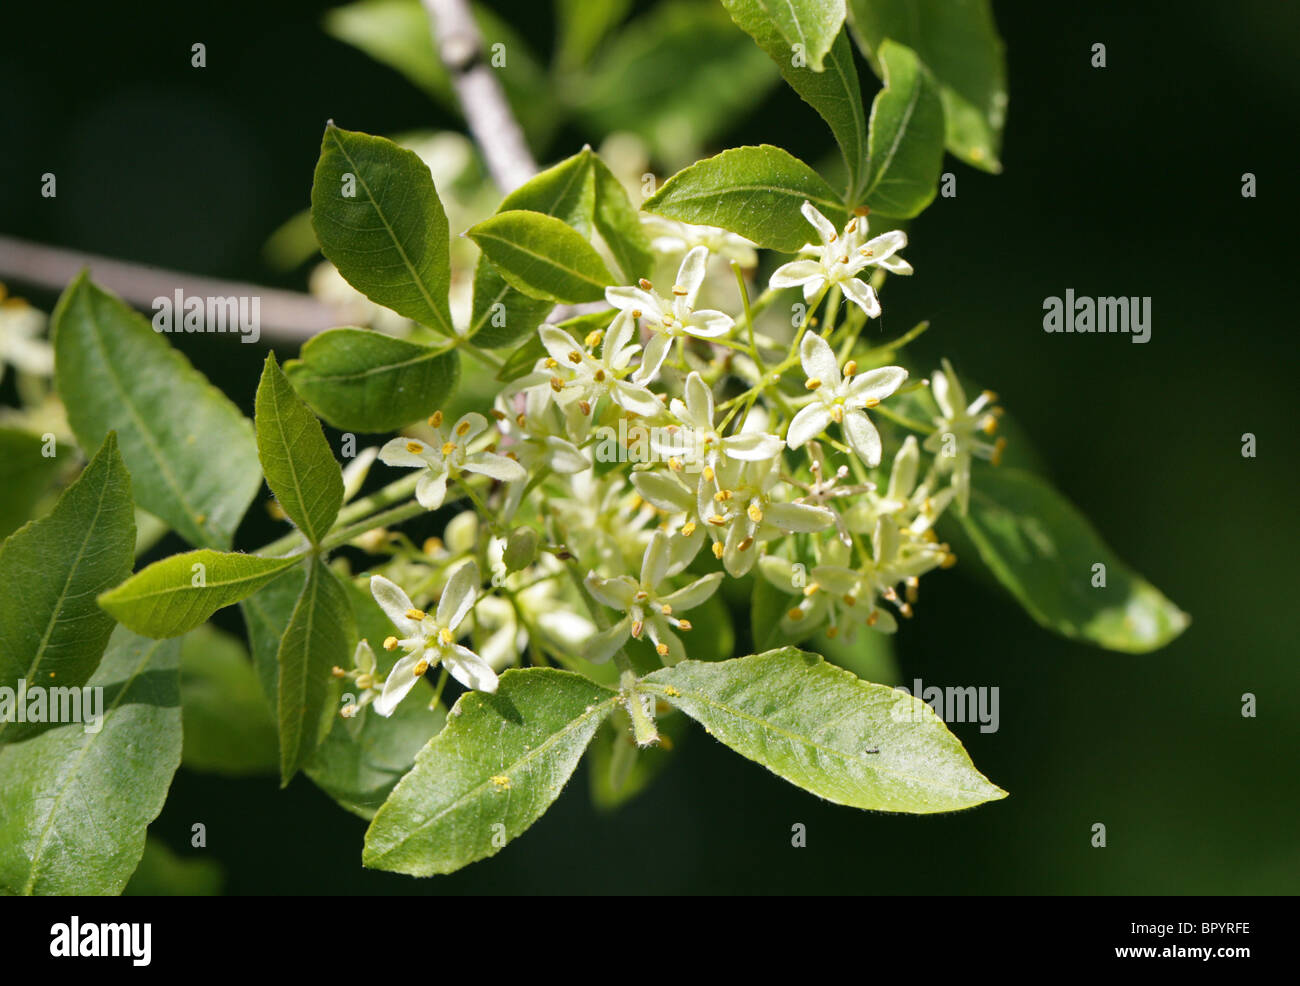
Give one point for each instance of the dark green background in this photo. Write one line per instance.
(1124, 180)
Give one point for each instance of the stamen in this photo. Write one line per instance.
(599, 376)
(718, 521)
(746, 544)
(593, 338)
(850, 368)
(872, 402)
(837, 414)
(688, 528)
(435, 419)
(755, 514)
(415, 448)
(415, 614)
(998, 447)
(685, 625)
(645, 285)
(390, 643)
(662, 650)
(557, 384)
(421, 668)
(679, 291)
(448, 448)
(718, 550)
(462, 429)
(445, 638)
(795, 615)
(812, 383)
(637, 627)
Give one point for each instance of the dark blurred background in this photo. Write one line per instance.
(1122, 180)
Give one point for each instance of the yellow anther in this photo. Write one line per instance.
(645, 285)
(338, 672)
(755, 514)
(850, 599)
(795, 615)
(662, 650)
(637, 627)
(684, 625)
(812, 383)
(521, 419)
(593, 338)
(688, 528)
(864, 251)
(718, 550)
(722, 496)
(415, 448)
(496, 415)
(746, 544)
(448, 448)
(675, 464)
(718, 521)
(862, 210)
(811, 589)
(415, 614)
(557, 384)
(990, 424)
(435, 419)
(462, 429)
(584, 406)
(837, 414)
(599, 376)
(550, 363)
(850, 368)
(832, 632)
(575, 356)
(641, 596)
(420, 669)
(679, 291)
(666, 609)
(873, 618)
(445, 638)
(708, 474)
(871, 402)
(989, 396)
(852, 226)
(949, 560)
(998, 447)
(672, 692)
(390, 643)
(432, 546)
(348, 711)
(636, 312)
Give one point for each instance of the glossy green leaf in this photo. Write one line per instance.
(74, 805)
(834, 93)
(229, 729)
(808, 26)
(620, 224)
(28, 477)
(815, 724)
(959, 44)
(359, 380)
(1043, 551)
(178, 593)
(192, 456)
(361, 760)
(753, 191)
(679, 76)
(906, 136)
(318, 639)
(542, 256)
(384, 228)
(501, 315)
(299, 466)
(51, 631)
(494, 770)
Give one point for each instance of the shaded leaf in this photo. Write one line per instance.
(228, 725)
(906, 136)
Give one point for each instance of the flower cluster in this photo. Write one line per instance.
(768, 439)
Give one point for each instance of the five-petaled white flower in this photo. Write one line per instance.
(645, 609)
(447, 457)
(675, 318)
(574, 375)
(954, 440)
(430, 640)
(841, 399)
(699, 444)
(841, 258)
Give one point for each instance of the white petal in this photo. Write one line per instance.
(902, 477)
(802, 517)
(708, 324)
(661, 633)
(699, 402)
(468, 427)
(862, 295)
(559, 344)
(795, 273)
(395, 603)
(616, 593)
(752, 446)
(632, 397)
(431, 490)
(896, 265)
(458, 595)
(399, 683)
(397, 453)
(564, 457)
(876, 384)
(807, 424)
(470, 669)
(818, 360)
(497, 466)
(886, 245)
(613, 349)
(690, 596)
(634, 299)
(656, 350)
(691, 274)
(363, 659)
(863, 437)
(663, 490)
(654, 566)
(825, 231)
(601, 646)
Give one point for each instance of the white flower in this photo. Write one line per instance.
(913, 507)
(20, 344)
(646, 610)
(574, 375)
(954, 440)
(364, 675)
(430, 640)
(447, 457)
(837, 594)
(700, 445)
(841, 258)
(671, 319)
(841, 399)
(669, 237)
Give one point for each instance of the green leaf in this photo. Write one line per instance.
(835, 93)
(300, 468)
(28, 476)
(501, 315)
(501, 761)
(176, 594)
(266, 614)
(389, 238)
(620, 224)
(163, 873)
(361, 760)
(51, 631)
(228, 725)
(753, 191)
(74, 805)
(1043, 551)
(359, 380)
(318, 638)
(813, 724)
(959, 44)
(582, 24)
(192, 456)
(678, 77)
(906, 136)
(542, 257)
(812, 25)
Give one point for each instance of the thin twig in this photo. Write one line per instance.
(482, 100)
